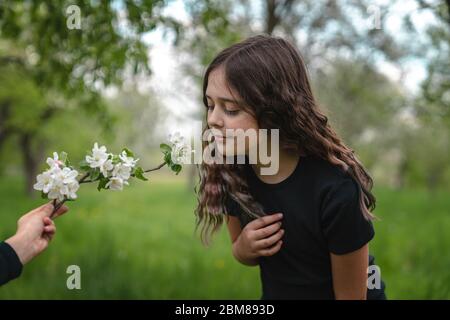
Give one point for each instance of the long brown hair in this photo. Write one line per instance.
(270, 76)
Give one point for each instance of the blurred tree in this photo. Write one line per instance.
(69, 67)
(432, 152)
(22, 107)
(144, 111)
(435, 50)
(324, 31)
(365, 107)
(359, 98)
(432, 106)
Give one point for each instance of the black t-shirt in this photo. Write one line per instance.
(321, 214)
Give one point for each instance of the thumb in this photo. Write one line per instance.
(61, 210)
(46, 210)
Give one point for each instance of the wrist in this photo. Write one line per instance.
(235, 250)
(22, 248)
(242, 258)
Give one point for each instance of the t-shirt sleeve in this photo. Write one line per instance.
(10, 265)
(343, 224)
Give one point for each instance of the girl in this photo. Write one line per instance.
(307, 226)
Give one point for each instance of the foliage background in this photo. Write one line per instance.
(63, 89)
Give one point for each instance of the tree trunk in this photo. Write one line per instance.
(433, 179)
(401, 173)
(5, 132)
(271, 16)
(275, 9)
(3, 135)
(30, 162)
(448, 10)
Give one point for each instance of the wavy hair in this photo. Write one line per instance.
(269, 75)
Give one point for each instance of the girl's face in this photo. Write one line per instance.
(225, 113)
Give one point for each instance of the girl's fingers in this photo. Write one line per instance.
(269, 242)
(60, 211)
(264, 221)
(267, 231)
(50, 229)
(48, 221)
(48, 237)
(271, 251)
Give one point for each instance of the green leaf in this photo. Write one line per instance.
(66, 160)
(139, 173)
(165, 148)
(102, 183)
(67, 163)
(176, 168)
(84, 165)
(63, 157)
(128, 152)
(115, 159)
(95, 174)
(168, 159)
(43, 195)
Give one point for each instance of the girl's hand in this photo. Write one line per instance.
(261, 237)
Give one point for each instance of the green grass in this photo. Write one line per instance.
(140, 244)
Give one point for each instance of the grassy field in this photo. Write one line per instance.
(140, 244)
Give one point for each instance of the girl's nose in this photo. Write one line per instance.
(215, 119)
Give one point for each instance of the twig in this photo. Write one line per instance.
(83, 178)
(157, 168)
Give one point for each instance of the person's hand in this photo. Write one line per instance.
(35, 230)
(261, 237)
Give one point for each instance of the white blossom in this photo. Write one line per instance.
(44, 182)
(72, 188)
(68, 175)
(105, 167)
(176, 139)
(116, 183)
(57, 182)
(55, 194)
(181, 154)
(98, 158)
(55, 162)
(128, 161)
(181, 151)
(122, 171)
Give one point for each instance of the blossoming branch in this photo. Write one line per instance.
(61, 181)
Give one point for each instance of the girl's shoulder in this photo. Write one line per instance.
(329, 179)
(323, 170)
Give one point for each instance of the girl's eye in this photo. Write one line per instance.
(231, 112)
(210, 107)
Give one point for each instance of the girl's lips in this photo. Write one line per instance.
(219, 138)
